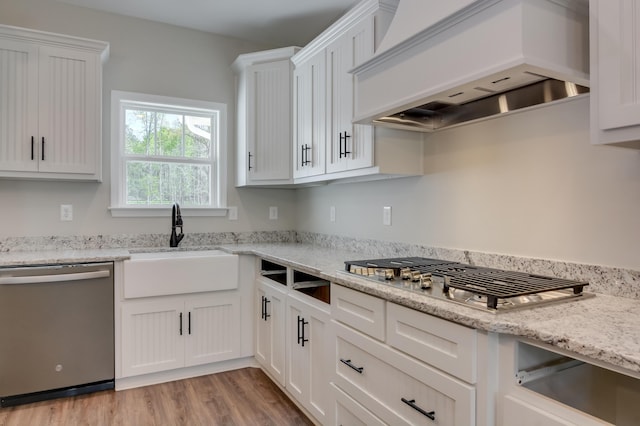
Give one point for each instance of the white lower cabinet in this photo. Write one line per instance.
(396, 365)
(174, 332)
(307, 354)
(396, 387)
(348, 412)
(270, 332)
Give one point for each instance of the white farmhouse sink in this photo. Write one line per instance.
(179, 272)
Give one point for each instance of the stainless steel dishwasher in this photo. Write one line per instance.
(56, 331)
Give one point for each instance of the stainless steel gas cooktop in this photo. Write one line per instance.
(488, 289)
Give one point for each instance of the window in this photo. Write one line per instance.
(167, 150)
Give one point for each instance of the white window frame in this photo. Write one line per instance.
(118, 208)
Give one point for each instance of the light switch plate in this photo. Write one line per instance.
(66, 212)
(233, 213)
(332, 214)
(386, 215)
(273, 212)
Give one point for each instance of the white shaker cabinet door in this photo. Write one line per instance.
(349, 146)
(270, 330)
(213, 329)
(152, 334)
(18, 106)
(619, 63)
(309, 117)
(68, 111)
(615, 72)
(269, 121)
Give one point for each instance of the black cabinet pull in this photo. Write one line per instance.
(261, 307)
(43, 148)
(250, 160)
(346, 151)
(301, 324)
(305, 155)
(412, 404)
(347, 362)
(266, 310)
(343, 153)
(32, 145)
(189, 323)
(180, 323)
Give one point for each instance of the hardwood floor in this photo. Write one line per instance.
(240, 397)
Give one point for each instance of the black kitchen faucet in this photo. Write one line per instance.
(176, 221)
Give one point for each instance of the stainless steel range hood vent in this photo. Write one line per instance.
(473, 60)
(437, 115)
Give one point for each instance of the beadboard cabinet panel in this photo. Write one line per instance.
(18, 102)
(50, 105)
(615, 72)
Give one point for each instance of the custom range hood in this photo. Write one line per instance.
(446, 63)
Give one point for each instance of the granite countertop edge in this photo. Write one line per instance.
(601, 328)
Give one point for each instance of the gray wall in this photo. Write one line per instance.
(530, 184)
(150, 58)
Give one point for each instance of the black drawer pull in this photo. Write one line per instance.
(347, 362)
(180, 323)
(412, 404)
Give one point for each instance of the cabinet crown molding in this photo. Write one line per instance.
(362, 10)
(57, 40)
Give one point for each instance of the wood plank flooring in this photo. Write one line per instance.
(240, 397)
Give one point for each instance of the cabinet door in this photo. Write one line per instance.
(263, 330)
(308, 357)
(212, 329)
(269, 121)
(618, 82)
(152, 335)
(350, 145)
(297, 354)
(310, 117)
(270, 333)
(69, 101)
(18, 106)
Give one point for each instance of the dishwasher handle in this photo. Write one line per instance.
(33, 279)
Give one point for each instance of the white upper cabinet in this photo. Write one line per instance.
(264, 117)
(615, 72)
(50, 105)
(309, 112)
(349, 146)
(327, 145)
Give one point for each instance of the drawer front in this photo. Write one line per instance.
(361, 311)
(349, 413)
(518, 412)
(397, 388)
(445, 345)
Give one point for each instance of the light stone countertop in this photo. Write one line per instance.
(603, 328)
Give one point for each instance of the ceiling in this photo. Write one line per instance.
(274, 22)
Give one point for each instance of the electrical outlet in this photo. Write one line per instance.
(233, 213)
(386, 215)
(273, 213)
(332, 214)
(66, 212)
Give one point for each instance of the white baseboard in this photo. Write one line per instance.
(183, 373)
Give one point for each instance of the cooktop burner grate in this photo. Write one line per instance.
(497, 284)
(494, 286)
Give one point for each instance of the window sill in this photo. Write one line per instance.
(166, 212)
